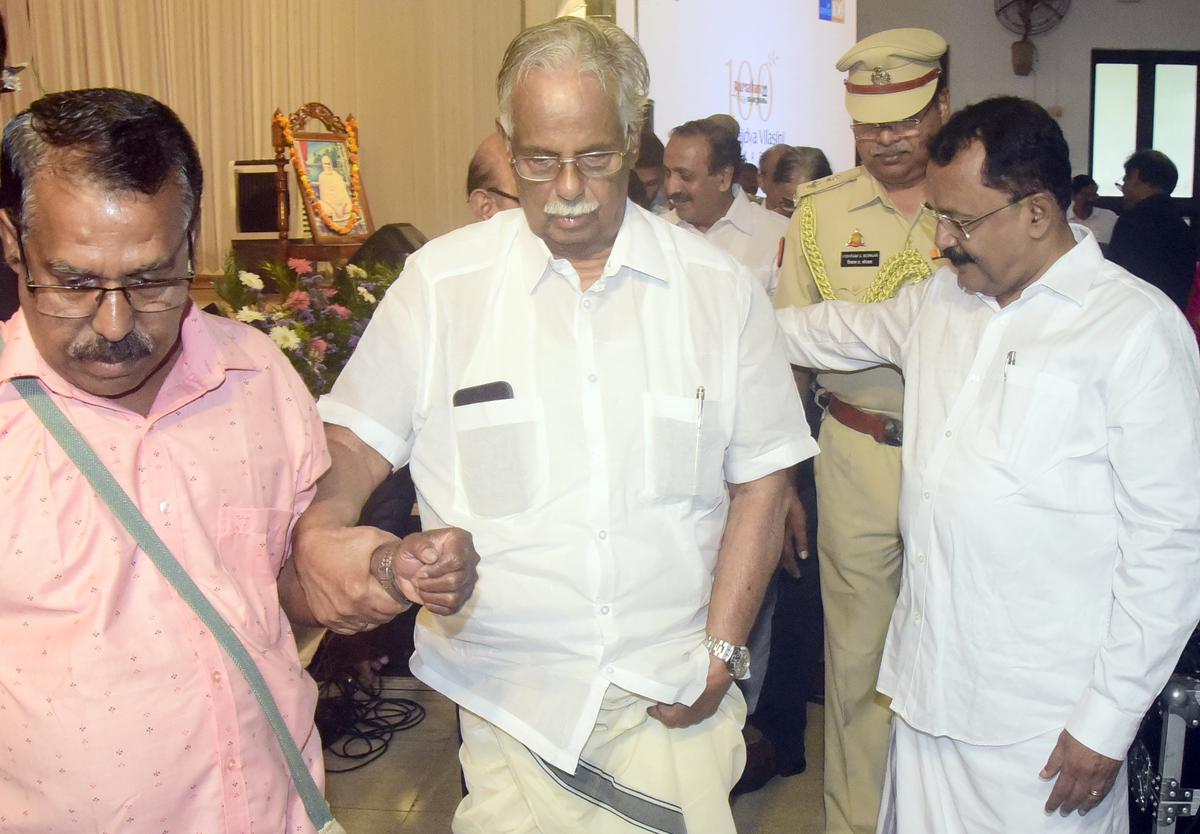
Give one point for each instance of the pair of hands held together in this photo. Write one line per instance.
(339, 570)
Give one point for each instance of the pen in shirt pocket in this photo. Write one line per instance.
(1010, 362)
(699, 434)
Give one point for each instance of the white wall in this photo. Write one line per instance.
(980, 62)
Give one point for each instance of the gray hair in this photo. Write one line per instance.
(123, 141)
(588, 46)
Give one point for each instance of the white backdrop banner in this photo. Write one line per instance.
(767, 63)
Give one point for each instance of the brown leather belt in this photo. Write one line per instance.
(882, 428)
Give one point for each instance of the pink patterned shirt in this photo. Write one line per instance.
(119, 712)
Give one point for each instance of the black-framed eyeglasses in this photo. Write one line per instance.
(503, 194)
(83, 298)
(961, 228)
(593, 165)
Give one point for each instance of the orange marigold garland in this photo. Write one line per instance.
(285, 126)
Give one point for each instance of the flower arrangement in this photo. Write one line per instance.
(315, 318)
(301, 169)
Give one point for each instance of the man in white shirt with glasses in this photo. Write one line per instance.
(1050, 507)
(576, 384)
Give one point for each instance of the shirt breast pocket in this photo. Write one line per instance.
(685, 449)
(1035, 409)
(502, 456)
(251, 543)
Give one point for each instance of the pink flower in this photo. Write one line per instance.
(330, 292)
(298, 300)
(339, 311)
(318, 347)
(300, 266)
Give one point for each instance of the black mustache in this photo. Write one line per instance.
(134, 345)
(957, 256)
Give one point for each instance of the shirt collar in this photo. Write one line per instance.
(207, 354)
(865, 189)
(1072, 274)
(636, 247)
(741, 211)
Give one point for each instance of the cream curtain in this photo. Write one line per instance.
(419, 74)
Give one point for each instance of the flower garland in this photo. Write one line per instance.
(289, 138)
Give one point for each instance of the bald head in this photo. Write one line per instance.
(491, 184)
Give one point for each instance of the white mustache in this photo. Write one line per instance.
(577, 208)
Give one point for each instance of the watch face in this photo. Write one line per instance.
(739, 663)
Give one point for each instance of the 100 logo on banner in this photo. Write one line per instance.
(750, 92)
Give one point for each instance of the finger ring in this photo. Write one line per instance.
(1096, 793)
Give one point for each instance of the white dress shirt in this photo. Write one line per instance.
(1100, 221)
(748, 232)
(596, 494)
(1050, 505)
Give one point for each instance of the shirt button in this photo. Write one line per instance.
(608, 670)
(603, 534)
(948, 432)
(925, 495)
(604, 610)
(921, 558)
(230, 764)
(587, 304)
(592, 377)
(216, 677)
(164, 507)
(917, 617)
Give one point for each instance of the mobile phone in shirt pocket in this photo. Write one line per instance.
(251, 543)
(1035, 409)
(685, 449)
(502, 456)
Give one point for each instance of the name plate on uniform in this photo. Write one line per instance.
(864, 258)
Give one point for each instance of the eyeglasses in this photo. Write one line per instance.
(503, 194)
(592, 165)
(959, 227)
(82, 300)
(902, 128)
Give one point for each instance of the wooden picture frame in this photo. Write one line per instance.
(327, 173)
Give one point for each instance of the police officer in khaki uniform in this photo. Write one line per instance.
(859, 235)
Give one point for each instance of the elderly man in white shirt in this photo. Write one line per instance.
(1050, 504)
(702, 159)
(576, 384)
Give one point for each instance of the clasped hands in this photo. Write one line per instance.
(338, 569)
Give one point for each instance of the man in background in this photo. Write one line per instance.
(1050, 509)
(649, 171)
(795, 167)
(860, 236)
(601, 399)
(702, 158)
(491, 186)
(766, 174)
(1084, 211)
(747, 178)
(1151, 240)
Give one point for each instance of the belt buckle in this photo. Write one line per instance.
(893, 432)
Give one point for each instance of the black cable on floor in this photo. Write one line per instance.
(358, 724)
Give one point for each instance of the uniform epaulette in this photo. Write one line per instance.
(826, 183)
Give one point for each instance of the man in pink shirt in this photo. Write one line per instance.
(118, 710)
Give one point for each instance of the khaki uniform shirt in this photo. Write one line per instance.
(858, 230)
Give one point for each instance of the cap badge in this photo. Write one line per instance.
(881, 77)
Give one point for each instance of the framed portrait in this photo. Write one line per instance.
(329, 180)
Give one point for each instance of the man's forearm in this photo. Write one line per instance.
(355, 471)
(748, 556)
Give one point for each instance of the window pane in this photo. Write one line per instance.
(1175, 120)
(1114, 121)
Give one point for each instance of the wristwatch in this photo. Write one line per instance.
(736, 658)
(382, 570)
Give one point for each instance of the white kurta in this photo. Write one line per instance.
(1050, 505)
(597, 493)
(748, 232)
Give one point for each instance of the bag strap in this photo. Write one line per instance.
(78, 450)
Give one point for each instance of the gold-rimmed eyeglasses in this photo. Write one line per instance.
(82, 298)
(961, 228)
(593, 165)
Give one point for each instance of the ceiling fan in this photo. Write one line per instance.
(1025, 18)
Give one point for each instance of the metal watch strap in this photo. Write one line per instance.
(732, 656)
